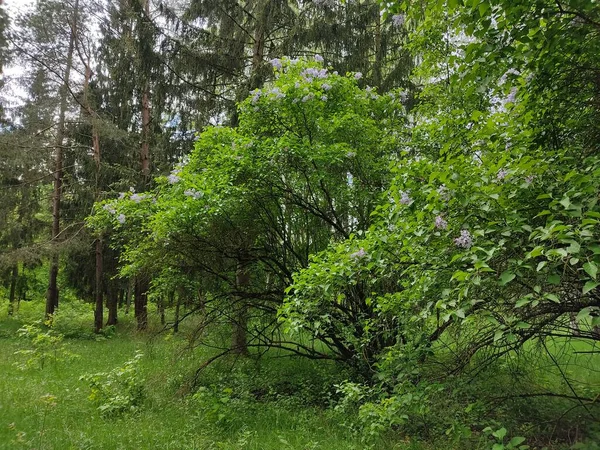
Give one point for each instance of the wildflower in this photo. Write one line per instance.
(398, 20)
(501, 174)
(359, 254)
(465, 240)
(326, 86)
(405, 198)
(121, 195)
(110, 208)
(440, 223)
(324, 98)
(121, 219)
(319, 58)
(357, 76)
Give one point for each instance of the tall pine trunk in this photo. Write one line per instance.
(52, 294)
(141, 284)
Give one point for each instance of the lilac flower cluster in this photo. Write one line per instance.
(277, 93)
(405, 198)
(319, 58)
(359, 254)
(276, 63)
(357, 75)
(398, 20)
(110, 208)
(465, 240)
(308, 97)
(255, 96)
(443, 192)
(312, 73)
(138, 197)
(326, 86)
(121, 219)
(440, 223)
(193, 193)
(501, 174)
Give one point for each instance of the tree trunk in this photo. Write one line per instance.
(145, 148)
(140, 302)
(176, 322)
(112, 303)
(240, 313)
(99, 310)
(13, 287)
(52, 293)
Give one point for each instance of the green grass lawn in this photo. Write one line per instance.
(259, 408)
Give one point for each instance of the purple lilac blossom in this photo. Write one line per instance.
(441, 223)
(398, 20)
(326, 86)
(319, 58)
(121, 219)
(110, 208)
(501, 174)
(465, 240)
(276, 63)
(357, 76)
(359, 254)
(405, 198)
(193, 193)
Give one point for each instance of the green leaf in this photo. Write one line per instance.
(541, 265)
(517, 440)
(498, 335)
(506, 277)
(591, 269)
(554, 279)
(499, 433)
(552, 297)
(589, 286)
(522, 302)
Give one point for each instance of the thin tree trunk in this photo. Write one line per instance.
(176, 320)
(140, 302)
(52, 294)
(128, 300)
(99, 310)
(240, 314)
(378, 52)
(13, 287)
(112, 303)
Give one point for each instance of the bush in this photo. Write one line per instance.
(120, 391)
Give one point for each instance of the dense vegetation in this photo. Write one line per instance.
(339, 228)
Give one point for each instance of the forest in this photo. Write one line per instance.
(299, 224)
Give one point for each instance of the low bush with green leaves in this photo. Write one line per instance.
(120, 391)
(43, 345)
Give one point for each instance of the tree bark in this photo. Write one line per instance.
(112, 303)
(140, 302)
(240, 313)
(52, 294)
(13, 287)
(99, 309)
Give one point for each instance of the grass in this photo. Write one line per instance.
(270, 403)
(274, 404)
